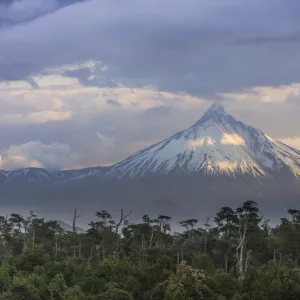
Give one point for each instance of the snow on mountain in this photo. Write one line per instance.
(216, 162)
(217, 144)
(69, 175)
(26, 176)
(43, 176)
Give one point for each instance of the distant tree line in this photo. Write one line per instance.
(237, 255)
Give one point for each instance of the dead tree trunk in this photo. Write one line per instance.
(56, 243)
(242, 257)
(206, 231)
(25, 238)
(33, 236)
(122, 219)
(79, 247)
(226, 261)
(75, 217)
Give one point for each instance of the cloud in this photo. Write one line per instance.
(106, 141)
(157, 112)
(175, 46)
(130, 74)
(53, 156)
(84, 118)
(22, 103)
(267, 94)
(18, 11)
(46, 116)
(24, 10)
(100, 133)
(292, 141)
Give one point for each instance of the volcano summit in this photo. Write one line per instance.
(216, 161)
(217, 144)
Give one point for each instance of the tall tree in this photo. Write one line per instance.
(227, 222)
(249, 218)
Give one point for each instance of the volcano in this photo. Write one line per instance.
(215, 145)
(216, 161)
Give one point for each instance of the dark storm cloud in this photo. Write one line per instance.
(189, 46)
(197, 47)
(18, 11)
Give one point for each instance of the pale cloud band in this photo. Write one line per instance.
(52, 156)
(100, 126)
(128, 75)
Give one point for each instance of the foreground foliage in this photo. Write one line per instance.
(236, 256)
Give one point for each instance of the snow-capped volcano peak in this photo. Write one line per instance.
(215, 112)
(216, 109)
(217, 144)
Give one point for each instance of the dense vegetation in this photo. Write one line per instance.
(236, 256)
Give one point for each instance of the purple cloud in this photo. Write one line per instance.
(177, 46)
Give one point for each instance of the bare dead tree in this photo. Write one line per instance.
(247, 261)
(122, 242)
(174, 240)
(75, 217)
(56, 235)
(240, 252)
(122, 219)
(242, 257)
(33, 236)
(26, 224)
(91, 254)
(206, 230)
(226, 258)
(120, 245)
(151, 239)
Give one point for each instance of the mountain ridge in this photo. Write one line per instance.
(218, 161)
(216, 144)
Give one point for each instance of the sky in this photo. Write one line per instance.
(87, 83)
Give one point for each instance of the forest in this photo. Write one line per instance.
(234, 255)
